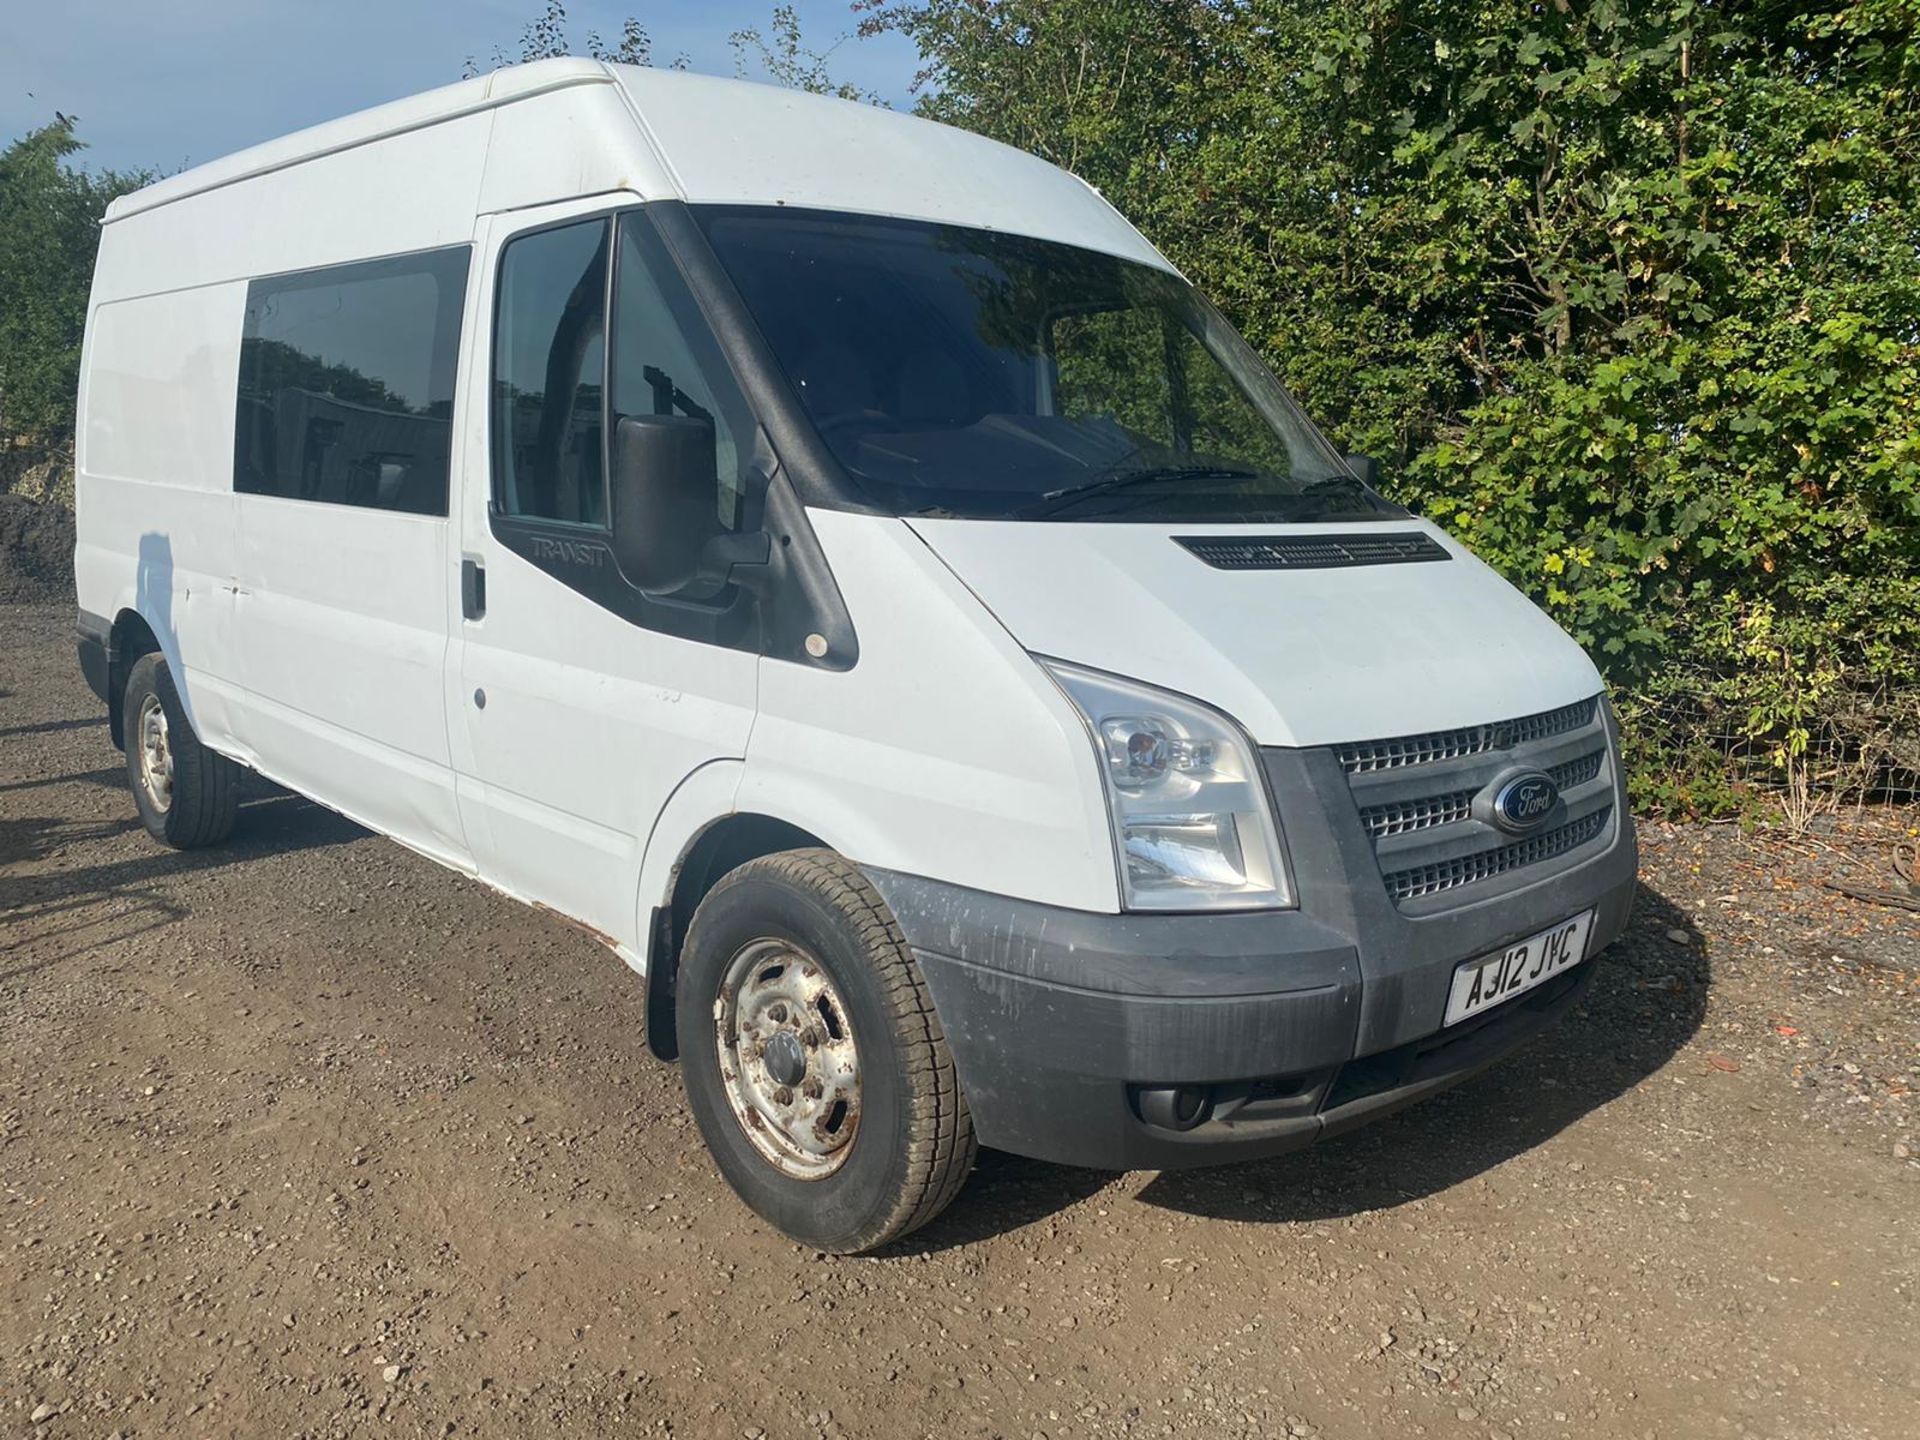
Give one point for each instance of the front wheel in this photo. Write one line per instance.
(812, 1057)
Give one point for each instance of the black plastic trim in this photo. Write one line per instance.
(95, 643)
(1312, 552)
(817, 477)
(1434, 747)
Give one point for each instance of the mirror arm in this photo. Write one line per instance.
(751, 551)
(724, 556)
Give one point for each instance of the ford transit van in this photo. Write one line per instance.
(837, 561)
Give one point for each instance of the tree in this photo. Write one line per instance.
(780, 53)
(785, 58)
(545, 37)
(50, 218)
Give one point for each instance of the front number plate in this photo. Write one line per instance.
(1483, 983)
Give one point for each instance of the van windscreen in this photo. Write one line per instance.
(955, 371)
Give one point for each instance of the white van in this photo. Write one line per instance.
(836, 560)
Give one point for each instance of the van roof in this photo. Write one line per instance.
(363, 127)
(731, 142)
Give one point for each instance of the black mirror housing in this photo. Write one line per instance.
(663, 499)
(1366, 468)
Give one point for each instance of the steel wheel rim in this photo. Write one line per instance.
(778, 1008)
(156, 754)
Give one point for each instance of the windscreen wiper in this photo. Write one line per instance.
(1055, 501)
(1333, 488)
(1340, 481)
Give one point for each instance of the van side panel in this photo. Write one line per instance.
(343, 663)
(154, 358)
(309, 639)
(155, 502)
(411, 192)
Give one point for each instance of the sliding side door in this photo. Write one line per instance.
(341, 470)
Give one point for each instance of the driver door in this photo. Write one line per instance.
(574, 717)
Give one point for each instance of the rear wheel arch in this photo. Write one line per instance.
(720, 848)
(131, 637)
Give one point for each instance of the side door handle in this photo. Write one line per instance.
(473, 589)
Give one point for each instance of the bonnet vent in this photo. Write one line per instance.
(1311, 552)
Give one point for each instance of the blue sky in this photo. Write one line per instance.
(170, 83)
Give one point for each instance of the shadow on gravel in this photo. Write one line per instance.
(1005, 1193)
(48, 727)
(111, 776)
(1647, 1000)
(89, 905)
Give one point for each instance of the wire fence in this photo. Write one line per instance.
(1695, 745)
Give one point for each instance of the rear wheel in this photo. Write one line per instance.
(187, 795)
(812, 1057)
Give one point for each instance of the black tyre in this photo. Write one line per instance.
(813, 1059)
(187, 795)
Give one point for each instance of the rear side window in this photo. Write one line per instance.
(548, 383)
(346, 383)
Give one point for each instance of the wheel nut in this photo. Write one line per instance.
(777, 1014)
(811, 1089)
(783, 1096)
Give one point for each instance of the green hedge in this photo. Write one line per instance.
(1627, 296)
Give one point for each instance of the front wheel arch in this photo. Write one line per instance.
(763, 1079)
(720, 848)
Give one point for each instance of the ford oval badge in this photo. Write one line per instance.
(1525, 801)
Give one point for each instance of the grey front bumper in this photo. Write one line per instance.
(1297, 1023)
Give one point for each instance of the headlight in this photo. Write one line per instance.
(1190, 812)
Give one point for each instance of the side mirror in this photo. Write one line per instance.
(663, 499)
(1366, 467)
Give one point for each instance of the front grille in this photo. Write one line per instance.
(1420, 799)
(1577, 772)
(1400, 816)
(1546, 724)
(1367, 756)
(1442, 875)
(1312, 552)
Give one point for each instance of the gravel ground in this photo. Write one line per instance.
(306, 1136)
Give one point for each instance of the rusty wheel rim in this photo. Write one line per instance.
(788, 1060)
(156, 754)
